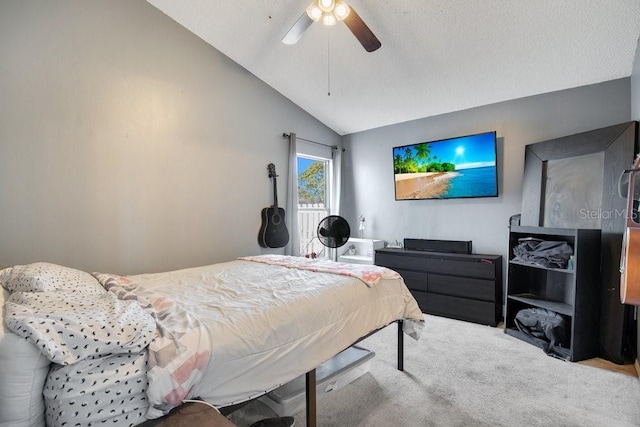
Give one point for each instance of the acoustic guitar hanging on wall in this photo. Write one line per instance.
(273, 231)
(630, 256)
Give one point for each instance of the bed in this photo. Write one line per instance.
(85, 349)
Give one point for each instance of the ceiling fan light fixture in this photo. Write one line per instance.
(326, 5)
(329, 12)
(329, 19)
(341, 10)
(314, 12)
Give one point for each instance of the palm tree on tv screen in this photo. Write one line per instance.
(423, 152)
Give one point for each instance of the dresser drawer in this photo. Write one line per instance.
(421, 299)
(465, 287)
(475, 268)
(396, 262)
(483, 312)
(414, 280)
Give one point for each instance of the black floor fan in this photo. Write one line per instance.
(333, 232)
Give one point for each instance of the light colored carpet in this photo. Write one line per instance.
(464, 374)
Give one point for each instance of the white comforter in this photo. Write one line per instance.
(269, 324)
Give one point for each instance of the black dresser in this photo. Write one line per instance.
(460, 286)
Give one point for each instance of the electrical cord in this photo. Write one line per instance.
(200, 401)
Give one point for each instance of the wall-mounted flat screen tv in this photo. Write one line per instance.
(458, 167)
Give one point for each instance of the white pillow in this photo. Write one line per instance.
(44, 277)
(23, 371)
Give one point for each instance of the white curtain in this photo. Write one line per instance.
(291, 214)
(335, 193)
(337, 181)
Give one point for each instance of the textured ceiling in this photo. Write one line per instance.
(437, 56)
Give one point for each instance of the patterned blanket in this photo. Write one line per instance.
(369, 274)
(99, 344)
(179, 353)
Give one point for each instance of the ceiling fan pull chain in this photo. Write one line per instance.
(328, 63)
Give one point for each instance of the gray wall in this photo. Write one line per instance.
(129, 145)
(369, 178)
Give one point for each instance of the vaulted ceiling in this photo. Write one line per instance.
(437, 56)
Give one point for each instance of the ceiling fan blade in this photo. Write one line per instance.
(359, 29)
(294, 34)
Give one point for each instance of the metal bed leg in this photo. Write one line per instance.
(310, 392)
(400, 346)
(310, 386)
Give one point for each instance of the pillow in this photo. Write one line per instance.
(46, 277)
(23, 370)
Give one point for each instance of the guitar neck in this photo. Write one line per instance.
(275, 193)
(272, 174)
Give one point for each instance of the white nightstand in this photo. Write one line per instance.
(365, 250)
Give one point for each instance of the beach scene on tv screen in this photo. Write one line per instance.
(451, 168)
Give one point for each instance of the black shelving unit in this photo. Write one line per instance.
(572, 292)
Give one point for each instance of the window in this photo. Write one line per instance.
(314, 195)
(313, 192)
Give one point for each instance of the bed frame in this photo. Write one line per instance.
(310, 377)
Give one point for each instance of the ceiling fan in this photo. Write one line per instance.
(329, 12)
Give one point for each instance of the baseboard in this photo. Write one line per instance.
(637, 365)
